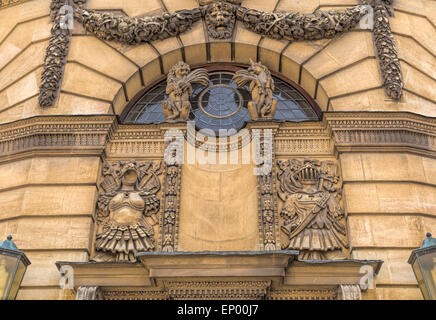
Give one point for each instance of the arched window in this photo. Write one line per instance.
(222, 105)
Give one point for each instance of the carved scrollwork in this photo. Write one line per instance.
(312, 218)
(295, 26)
(262, 105)
(179, 90)
(126, 209)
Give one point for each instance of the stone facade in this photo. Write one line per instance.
(51, 159)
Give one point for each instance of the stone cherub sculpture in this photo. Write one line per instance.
(179, 90)
(262, 106)
(126, 210)
(313, 221)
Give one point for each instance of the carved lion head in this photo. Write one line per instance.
(220, 20)
(179, 70)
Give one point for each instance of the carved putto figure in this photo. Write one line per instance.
(126, 210)
(179, 90)
(312, 218)
(220, 18)
(262, 105)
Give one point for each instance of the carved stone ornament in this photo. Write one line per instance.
(88, 293)
(179, 90)
(56, 55)
(107, 26)
(386, 50)
(350, 292)
(170, 216)
(312, 218)
(262, 106)
(296, 26)
(126, 209)
(267, 200)
(220, 18)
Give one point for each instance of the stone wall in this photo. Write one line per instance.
(47, 201)
(101, 77)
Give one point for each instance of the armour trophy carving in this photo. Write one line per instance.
(126, 210)
(262, 106)
(313, 221)
(179, 90)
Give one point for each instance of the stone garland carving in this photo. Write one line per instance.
(262, 106)
(295, 26)
(386, 50)
(169, 220)
(312, 218)
(108, 26)
(126, 209)
(220, 17)
(179, 90)
(55, 58)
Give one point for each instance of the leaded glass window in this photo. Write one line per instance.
(222, 105)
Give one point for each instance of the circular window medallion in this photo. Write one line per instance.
(220, 101)
(221, 107)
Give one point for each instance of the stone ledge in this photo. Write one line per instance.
(96, 134)
(163, 275)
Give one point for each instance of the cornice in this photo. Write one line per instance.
(54, 135)
(98, 134)
(383, 131)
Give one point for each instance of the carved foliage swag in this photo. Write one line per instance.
(220, 19)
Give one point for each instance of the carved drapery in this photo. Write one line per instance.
(313, 220)
(126, 209)
(220, 17)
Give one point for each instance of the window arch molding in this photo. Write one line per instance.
(221, 67)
